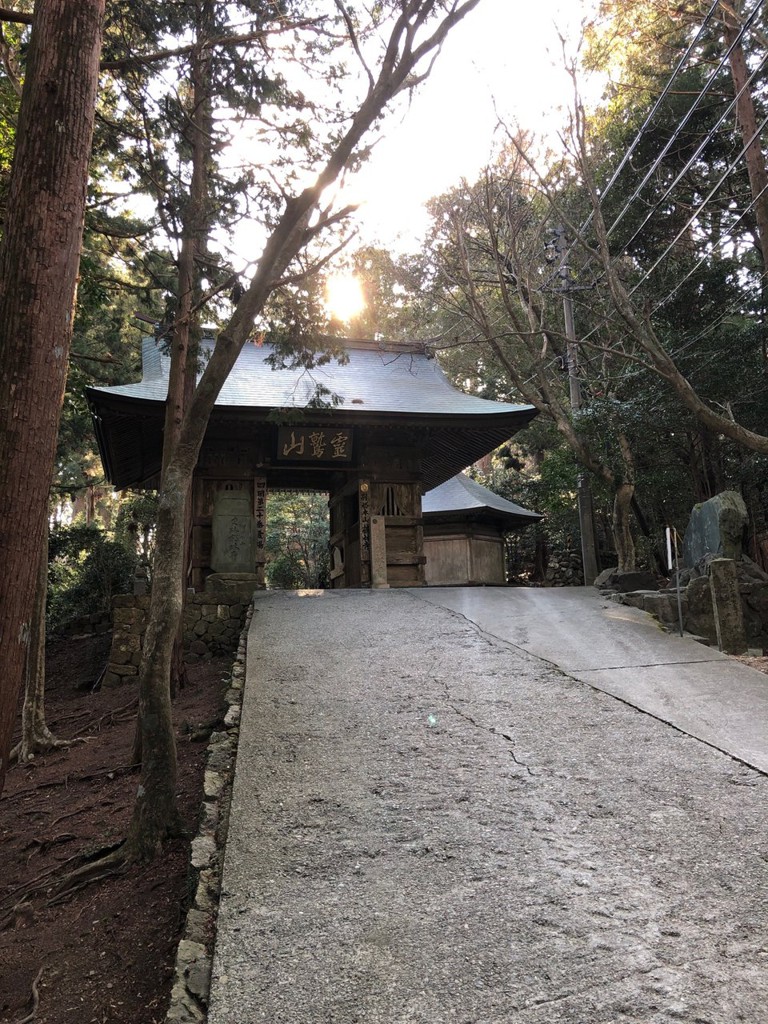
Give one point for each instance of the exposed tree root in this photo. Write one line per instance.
(80, 778)
(91, 866)
(35, 1000)
(43, 845)
(70, 718)
(107, 862)
(64, 817)
(103, 863)
(41, 742)
(131, 706)
(110, 866)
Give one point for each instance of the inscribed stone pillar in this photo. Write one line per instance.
(726, 603)
(234, 533)
(378, 554)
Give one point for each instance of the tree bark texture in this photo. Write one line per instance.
(184, 349)
(624, 492)
(36, 737)
(39, 262)
(155, 815)
(196, 225)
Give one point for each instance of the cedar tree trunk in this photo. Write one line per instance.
(39, 261)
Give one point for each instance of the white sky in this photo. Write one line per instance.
(503, 61)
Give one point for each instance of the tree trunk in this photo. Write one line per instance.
(620, 527)
(747, 121)
(155, 815)
(36, 737)
(39, 261)
(150, 737)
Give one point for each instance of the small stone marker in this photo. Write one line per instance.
(726, 603)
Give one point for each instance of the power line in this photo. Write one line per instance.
(689, 163)
(690, 342)
(706, 256)
(665, 92)
(678, 130)
(712, 192)
(676, 134)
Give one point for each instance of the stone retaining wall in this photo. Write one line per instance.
(211, 625)
(194, 957)
(213, 622)
(129, 620)
(564, 570)
(697, 605)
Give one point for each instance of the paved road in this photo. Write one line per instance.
(624, 652)
(431, 825)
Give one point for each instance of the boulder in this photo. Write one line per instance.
(663, 606)
(624, 582)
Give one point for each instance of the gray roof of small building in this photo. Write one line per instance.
(461, 494)
(377, 381)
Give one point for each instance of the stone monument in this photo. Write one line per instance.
(234, 533)
(716, 527)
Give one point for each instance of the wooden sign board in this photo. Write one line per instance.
(314, 444)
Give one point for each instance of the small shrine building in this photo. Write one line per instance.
(465, 525)
(399, 429)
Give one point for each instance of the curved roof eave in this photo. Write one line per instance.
(462, 495)
(373, 381)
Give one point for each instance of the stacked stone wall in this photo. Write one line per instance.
(564, 570)
(212, 625)
(129, 621)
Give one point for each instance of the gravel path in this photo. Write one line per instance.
(429, 826)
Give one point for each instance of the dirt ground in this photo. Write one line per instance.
(760, 663)
(105, 954)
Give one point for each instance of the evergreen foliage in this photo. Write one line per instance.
(85, 571)
(297, 541)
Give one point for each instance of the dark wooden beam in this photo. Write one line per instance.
(18, 17)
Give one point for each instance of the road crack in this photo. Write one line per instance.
(485, 728)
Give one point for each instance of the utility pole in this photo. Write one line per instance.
(583, 489)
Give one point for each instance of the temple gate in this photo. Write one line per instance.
(399, 429)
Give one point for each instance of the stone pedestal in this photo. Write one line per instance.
(234, 586)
